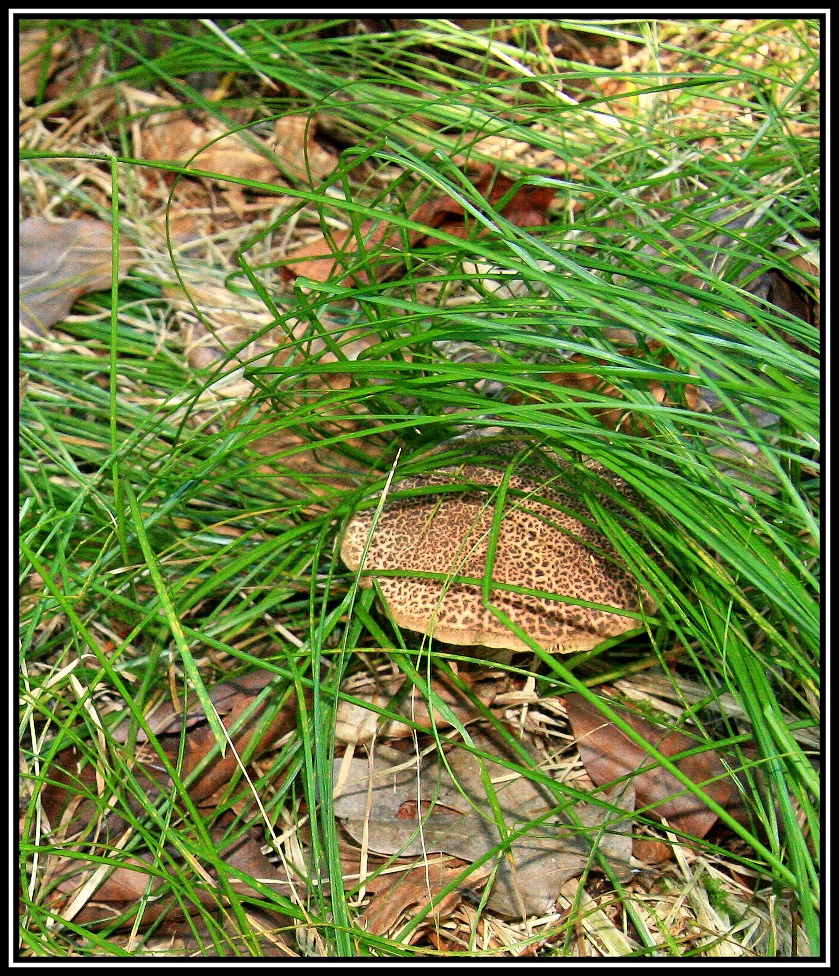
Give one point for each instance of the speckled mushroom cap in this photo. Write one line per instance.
(546, 542)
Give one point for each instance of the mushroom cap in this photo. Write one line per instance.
(546, 542)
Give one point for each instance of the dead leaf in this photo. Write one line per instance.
(36, 56)
(357, 724)
(796, 294)
(245, 855)
(609, 755)
(126, 888)
(456, 818)
(413, 890)
(169, 134)
(232, 700)
(123, 887)
(60, 262)
(318, 259)
(70, 799)
(73, 807)
(295, 144)
(616, 418)
(527, 207)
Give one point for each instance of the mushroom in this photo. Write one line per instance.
(546, 542)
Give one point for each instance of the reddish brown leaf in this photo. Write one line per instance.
(608, 755)
(410, 809)
(168, 133)
(123, 891)
(589, 380)
(232, 700)
(123, 888)
(294, 143)
(72, 780)
(416, 889)
(74, 809)
(526, 208)
(290, 449)
(70, 799)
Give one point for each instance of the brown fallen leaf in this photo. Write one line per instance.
(395, 807)
(245, 855)
(61, 261)
(74, 807)
(84, 897)
(609, 755)
(234, 702)
(36, 56)
(527, 207)
(318, 259)
(128, 889)
(357, 724)
(796, 293)
(168, 134)
(615, 418)
(295, 144)
(70, 799)
(415, 889)
(789, 291)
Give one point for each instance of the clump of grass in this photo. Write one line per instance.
(160, 543)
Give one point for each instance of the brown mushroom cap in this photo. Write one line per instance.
(542, 545)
